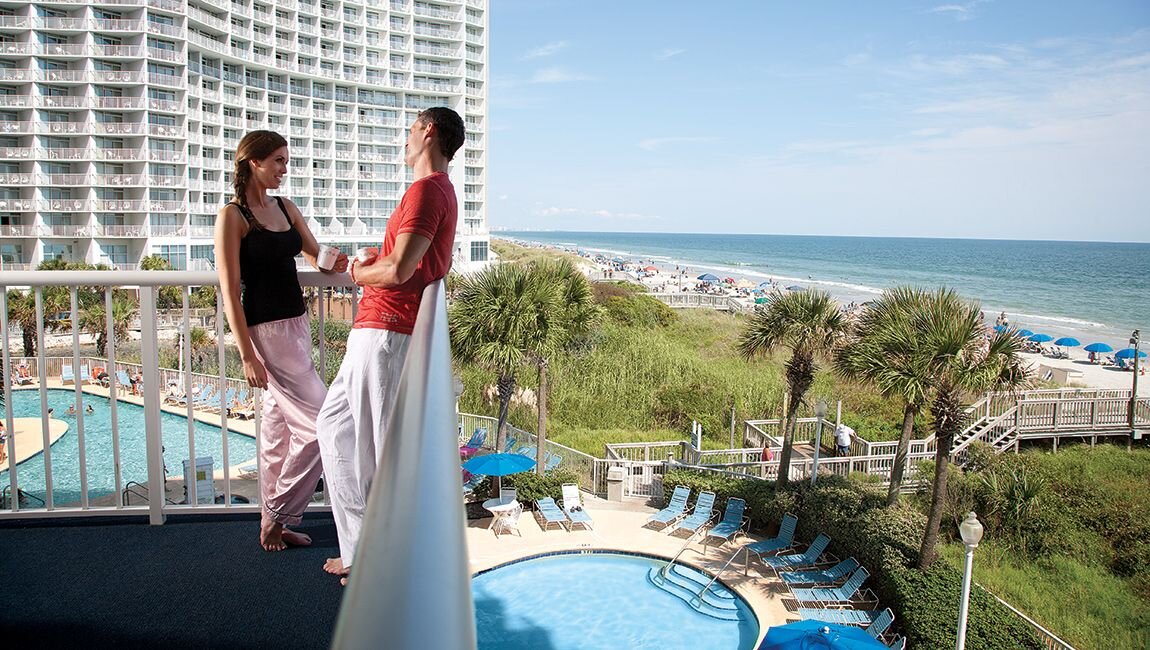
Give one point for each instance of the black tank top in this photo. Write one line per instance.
(269, 286)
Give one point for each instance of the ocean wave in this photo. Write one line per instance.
(1061, 319)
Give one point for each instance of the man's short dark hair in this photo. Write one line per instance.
(448, 125)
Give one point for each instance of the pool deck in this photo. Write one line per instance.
(29, 436)
(619, 526)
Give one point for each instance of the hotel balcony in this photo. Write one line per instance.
(139, 230)
(15, 178)
(18, 231)
(103, 527)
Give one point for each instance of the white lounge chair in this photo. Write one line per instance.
(573, 506)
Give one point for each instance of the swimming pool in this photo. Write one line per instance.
(594, 600)
(98, 446)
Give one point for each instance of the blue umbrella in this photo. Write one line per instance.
(795, 287)
(1068, 341)
(499, 464)
(764, 285)
(1040, 338)
(817, 634)
(709, 278)
(1128, 353)
(1000, 328)
(1025, 333)
(1098, 348)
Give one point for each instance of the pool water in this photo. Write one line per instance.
(594, 600)
(98, 446)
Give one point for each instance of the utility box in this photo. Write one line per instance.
(615, 477)
(205, 488)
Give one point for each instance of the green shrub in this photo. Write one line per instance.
(638, 310)
(531, 486)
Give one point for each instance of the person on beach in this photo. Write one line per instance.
(415, 252)
(257, 238)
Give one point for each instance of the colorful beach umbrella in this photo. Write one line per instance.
(1128, 353)
(1040, 338)
(1067, 341)
(1098, 348)
(709, 278)
(1025, 333)
(652, 269)
(818, 634)
(499, 464)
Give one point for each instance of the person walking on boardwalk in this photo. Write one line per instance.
(415, 252)
(257, 239)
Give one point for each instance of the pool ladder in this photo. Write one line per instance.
(142, 492)
(6, 500)
(691, 586)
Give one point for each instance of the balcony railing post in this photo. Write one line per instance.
(153, 430)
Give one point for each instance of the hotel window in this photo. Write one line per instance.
(10, 253)
(175, 255)
(100, 39)
(58, 252)
(478, 251)
(116, 253)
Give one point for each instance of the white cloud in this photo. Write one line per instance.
(960, 12)
(663, 55)
(557, 75)
(545, 50)
(654, 144)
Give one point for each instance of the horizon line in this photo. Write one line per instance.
(496, 233)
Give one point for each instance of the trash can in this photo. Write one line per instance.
(615, 477)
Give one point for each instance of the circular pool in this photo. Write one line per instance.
(597, 600)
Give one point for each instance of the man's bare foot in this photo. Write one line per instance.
(271, 535)
(334, 565)
(295, 538)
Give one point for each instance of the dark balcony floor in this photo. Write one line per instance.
(195, 582)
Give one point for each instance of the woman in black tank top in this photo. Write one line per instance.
(257, 240)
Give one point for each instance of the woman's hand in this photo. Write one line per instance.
(255, 373)
(340, 264)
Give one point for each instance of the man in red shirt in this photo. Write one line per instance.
(416, 251)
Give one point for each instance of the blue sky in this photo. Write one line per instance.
(992, 118)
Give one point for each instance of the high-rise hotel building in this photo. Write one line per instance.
(119, 118)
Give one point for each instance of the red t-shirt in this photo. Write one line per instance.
(429, 209)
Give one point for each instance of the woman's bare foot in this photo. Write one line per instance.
(334, 565)
(295, 538)
(271, 535)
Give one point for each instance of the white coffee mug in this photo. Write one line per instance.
(327, 257)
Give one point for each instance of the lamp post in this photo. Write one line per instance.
(1134, 340)
(820, 414)
(971, 532)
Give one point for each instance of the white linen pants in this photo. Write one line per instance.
(352, 426)
(288, 451)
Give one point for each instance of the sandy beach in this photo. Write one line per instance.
(659, 277)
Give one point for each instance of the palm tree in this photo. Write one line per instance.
(501, 321)
(198, 340)
(124, 310)
(883, 353)
(955, 352)
(575, 317)
(810, 325)
(22, 310)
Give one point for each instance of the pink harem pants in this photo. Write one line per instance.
(352, 426)
(289, 454)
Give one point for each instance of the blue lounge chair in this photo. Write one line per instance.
(899, 644)
(676, 508)
(207, 395)
(217, 403)
(733, 522)
(781, 542)
(809, 557)
(122, 379)
(85, 376)
(703, 513)
(552, 462)
(527, 450)
(881, 624)
(475, 443)
(850, 592)
(472, 482)
(508, 445)
(573, 506)
(840, 615)
(820, 577)
(550, 513)
(67, 374)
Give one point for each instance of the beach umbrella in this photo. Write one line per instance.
(818, 634)
(499, 464)
(1128, 353)
(795, 287)
(1040, 338)
(1067, 341)
(765, 285)
(744, 284)
(652, 269)
(1000, 328)
(1025, 333)
(1098, 348)
(709, 278)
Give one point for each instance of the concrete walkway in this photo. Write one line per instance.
(619, 526)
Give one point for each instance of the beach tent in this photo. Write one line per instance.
(709, 278)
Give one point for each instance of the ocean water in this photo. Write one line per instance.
(1093, 290)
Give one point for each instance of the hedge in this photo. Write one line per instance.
(885, 541)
